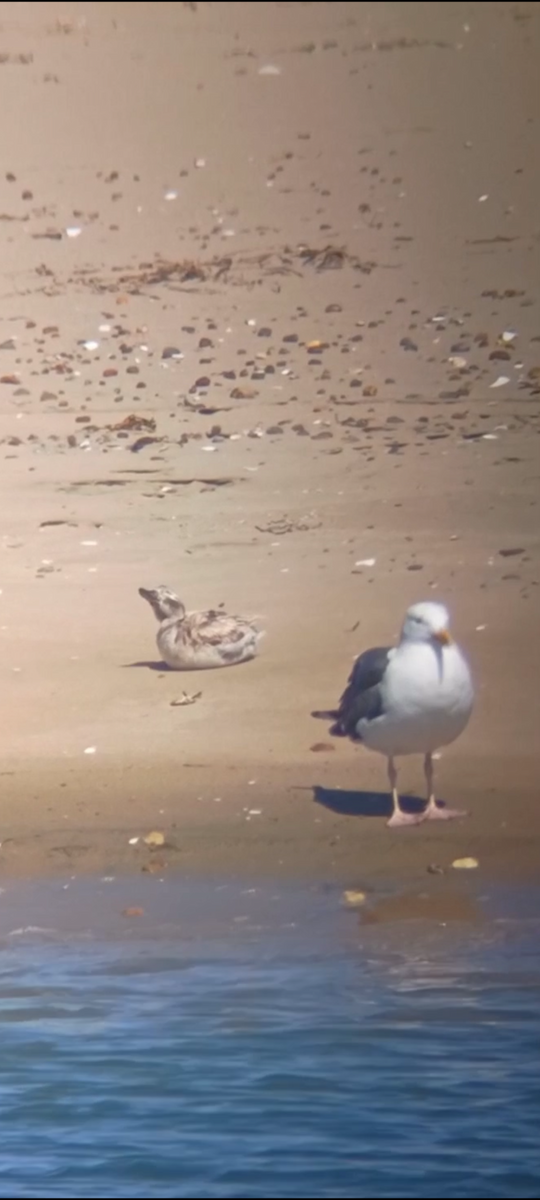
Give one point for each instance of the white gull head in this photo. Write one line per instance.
(426, 622)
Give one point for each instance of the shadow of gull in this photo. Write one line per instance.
(363, 804)
(150, 666)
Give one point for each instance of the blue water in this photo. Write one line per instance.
(257, 1043)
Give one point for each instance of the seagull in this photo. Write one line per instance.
(191, 641)
(409, 699)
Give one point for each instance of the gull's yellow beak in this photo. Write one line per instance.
(443, 637)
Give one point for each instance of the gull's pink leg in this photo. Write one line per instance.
(432, 812)
(398, 816)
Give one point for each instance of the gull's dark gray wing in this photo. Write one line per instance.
(362, 699)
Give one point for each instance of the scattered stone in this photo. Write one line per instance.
(142, 442)
(133, 422)
(354, 899)
(244, 393)
(154, 838)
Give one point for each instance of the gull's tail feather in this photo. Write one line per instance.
(331, 714)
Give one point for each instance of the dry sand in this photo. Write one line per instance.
(243, 180)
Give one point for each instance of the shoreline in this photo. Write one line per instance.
(283, 356)
(431, 917)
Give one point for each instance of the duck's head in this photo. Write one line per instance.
(164, 602)
(427, 622)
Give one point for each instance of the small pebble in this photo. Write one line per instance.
(155, 838)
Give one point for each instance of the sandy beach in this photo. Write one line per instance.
(270, 335)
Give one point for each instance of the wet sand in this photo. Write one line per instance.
(262, 265)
